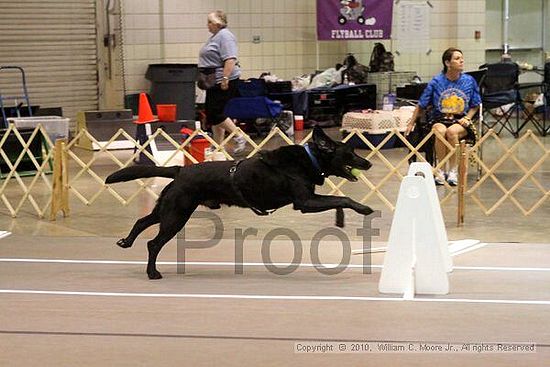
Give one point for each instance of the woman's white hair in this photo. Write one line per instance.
(218, 17)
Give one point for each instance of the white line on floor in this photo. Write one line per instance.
(206, 263)
(249, 264)
(273, 297)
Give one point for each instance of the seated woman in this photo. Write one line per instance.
(454, 99)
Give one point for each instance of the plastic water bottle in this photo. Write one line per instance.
(388, 101)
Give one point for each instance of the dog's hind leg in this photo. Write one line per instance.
(145, 222)
(140, 225)
(170, 224)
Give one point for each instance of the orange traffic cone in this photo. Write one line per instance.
(145, 114)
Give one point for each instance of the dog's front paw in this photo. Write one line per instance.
(122, 243)
(212, 204)
(154, 275)
(365, 210)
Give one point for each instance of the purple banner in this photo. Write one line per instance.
(354, 19)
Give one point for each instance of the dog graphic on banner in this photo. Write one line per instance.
(353, 10)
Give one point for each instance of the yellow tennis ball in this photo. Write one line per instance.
(355, 172)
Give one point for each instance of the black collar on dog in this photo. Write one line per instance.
(314, 160)
(232, 172)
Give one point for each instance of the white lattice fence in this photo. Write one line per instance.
(393, 168)
(26, 163)
(18, 192)
(528, 162)
(334, 185)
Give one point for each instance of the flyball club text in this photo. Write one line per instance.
(357, 33)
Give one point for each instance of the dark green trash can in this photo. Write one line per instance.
(174, 84)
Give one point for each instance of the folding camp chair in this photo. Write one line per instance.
(539, 109)
(502, 100)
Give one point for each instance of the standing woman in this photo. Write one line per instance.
(454, 99)
(220, 52)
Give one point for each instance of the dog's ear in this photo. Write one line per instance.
(322, 141)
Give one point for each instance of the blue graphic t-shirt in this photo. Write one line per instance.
(450, 97)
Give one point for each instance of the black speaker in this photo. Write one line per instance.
(411, 91)
(18, 111)
(13, 148)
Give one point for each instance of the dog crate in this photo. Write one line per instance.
(322, 107)
(387, 82)
(279, 87)
(374, 139)
(375, 126)
(355, 97)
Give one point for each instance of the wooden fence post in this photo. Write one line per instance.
(60, 192)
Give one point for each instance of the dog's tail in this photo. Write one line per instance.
(131, 173)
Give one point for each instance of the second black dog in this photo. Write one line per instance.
(268, 181)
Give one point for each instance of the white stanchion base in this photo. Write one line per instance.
(460, 245)
(115, 145)
(4, 234)
(454, 247)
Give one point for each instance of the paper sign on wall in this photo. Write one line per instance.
(413, 26)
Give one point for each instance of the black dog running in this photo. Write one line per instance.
(263, 183)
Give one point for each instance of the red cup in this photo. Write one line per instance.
(298, 123)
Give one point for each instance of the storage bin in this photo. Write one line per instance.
(166, 112)
(57, 127)
(197, 147)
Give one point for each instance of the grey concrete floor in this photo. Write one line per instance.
(94, 311)
(106, 312)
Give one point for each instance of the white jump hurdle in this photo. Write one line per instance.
(417, 259)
